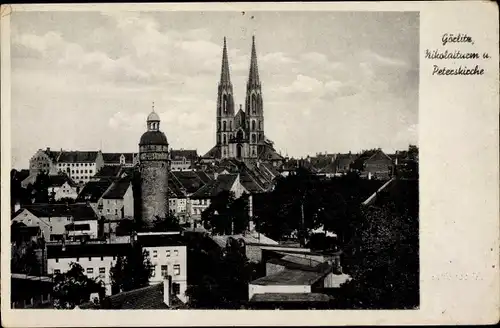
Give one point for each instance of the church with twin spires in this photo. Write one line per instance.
(241, 136)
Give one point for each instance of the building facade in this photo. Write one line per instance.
(153, 157)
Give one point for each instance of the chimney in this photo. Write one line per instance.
(166, 290)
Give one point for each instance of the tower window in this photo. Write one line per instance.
(230, 125)
(224, 126)
(253, 125)
(224, 104)
(254, 138)
(254, 103)
(260, 125)
(218, 126)
(225, 140)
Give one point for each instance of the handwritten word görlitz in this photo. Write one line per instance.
(456, 38)
(461, 70)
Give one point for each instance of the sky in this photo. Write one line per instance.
(331, 81)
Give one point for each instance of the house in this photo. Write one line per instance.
(79, 165)
(96, 259)
(55, 220)
(168, 254)
(378, 166)
(118, 200)
(61, 186)
(92, 193)
(44, 160)
(343, 162)
(120, 159)
(200, 200)
(109, 172)
(154, 297)
(177, 201)
(183, 159)
(30, 292)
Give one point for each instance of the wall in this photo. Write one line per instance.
(41, 162)
(65, 191)
(29, 219)
(166, 255)
(285, 289)
(112, 208)
(79, 172)
(154, 190)
(92, 232)
(106, 262)
(272, 268)
(128, 203)
(238, 188)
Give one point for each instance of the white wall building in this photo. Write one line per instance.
(96, 259)
(168, 254)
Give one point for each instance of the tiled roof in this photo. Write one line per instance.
(155, 240)
(145, 298)
(290, 297)
(86, 250)
(188, 180)
(115, 157)
(203, 176)
(224, 182)
(191, 155)
(213, 153)
(108, 171)
(175, 191)
(93, 190)
(60, 179)
(77, 156)
(77, 211)
(266, 152)
(118, 189)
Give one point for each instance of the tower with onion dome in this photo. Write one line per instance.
(154, 167)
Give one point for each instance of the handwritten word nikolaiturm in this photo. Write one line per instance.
(457, 54)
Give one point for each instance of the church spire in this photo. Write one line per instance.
(224, 74)
(253, 77)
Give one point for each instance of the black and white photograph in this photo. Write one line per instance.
(214, 160)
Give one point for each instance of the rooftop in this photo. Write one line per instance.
(224, 182)
(115, 157)
(118, 189)
(79, 211)
(155, 240)
(290, 297)
(293, 277)
(86, 250)
(93, 190)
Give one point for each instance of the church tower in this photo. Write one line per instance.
(253, 105)
(153, 157)
(225, 107)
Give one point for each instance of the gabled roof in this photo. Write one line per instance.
(93, 190)
(118, 189)
(189, 154)
(203, 176)
(77, 156)
(214, 152)
(239, 119)
(175, 191)
(379, 154)
(107, 171)
(78, 211)
(224, 182)
(188, 180)
(115, 157)
(60, 179)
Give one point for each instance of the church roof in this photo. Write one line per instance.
(213, 153)
(253, 76)
(153, 138)
(152, 117)
(224, 75)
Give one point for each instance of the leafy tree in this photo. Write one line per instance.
(168, 223)
(73, 288)
(26, 262)
(41, 188)
(226, 215)
(132, 271)
(382, 258)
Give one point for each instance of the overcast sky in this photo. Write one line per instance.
(331, 81)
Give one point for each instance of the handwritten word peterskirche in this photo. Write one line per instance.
(461, 70)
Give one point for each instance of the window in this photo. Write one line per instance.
(177, 269)
(114, 257)
(254, 139)
(225, 140)
(116, 211)
(155, 254)
(90, 259)
(90, 171)
(164, 270)
(77, 259)
(109, 210)
(102, 272)
(90, 270)
(176, 287)
(153, 270)
(102, 258)
(253, 125)
(57, 271)
(57, 260)
(224, 126)
(176, 253)
(168, 253)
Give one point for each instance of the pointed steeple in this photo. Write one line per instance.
(224, 73)
(253, 77)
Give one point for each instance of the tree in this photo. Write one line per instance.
(226, 215)
(133, 271)
(168, 223)
(382, 258)
(73, 288)
(26, 261)
(41, 188)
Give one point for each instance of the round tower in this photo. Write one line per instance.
(153, 158)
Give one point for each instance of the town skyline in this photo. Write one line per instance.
(103, 77)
